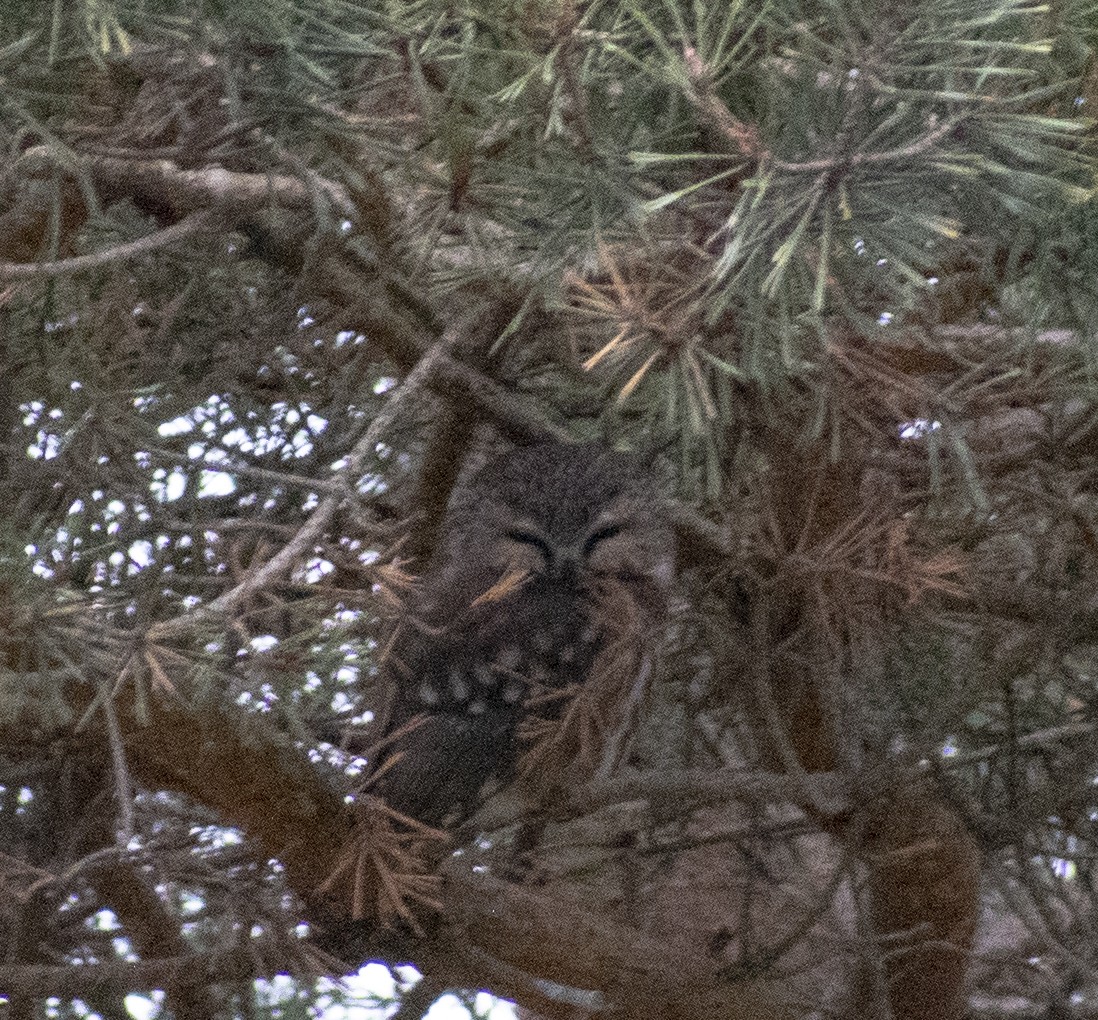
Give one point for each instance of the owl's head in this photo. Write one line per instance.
(562, 515)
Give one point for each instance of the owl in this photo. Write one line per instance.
(529, 640)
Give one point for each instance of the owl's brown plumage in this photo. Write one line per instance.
(527, 643)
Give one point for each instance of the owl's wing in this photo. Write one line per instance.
(436, 770)
(451, 721)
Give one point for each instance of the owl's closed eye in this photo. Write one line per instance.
(607, 548)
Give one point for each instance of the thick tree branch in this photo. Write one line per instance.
(510, 936)
(490, 933)
(698, 787)
(254, 778)
(163, 183)
(124, 976)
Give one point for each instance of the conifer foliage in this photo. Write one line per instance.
(272, 272)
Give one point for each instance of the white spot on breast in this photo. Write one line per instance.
(459, 686)
(539, 674)
(483, 672)
(428, 695)
(590, 634)
(544, 640)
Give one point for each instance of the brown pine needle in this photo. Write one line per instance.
(383, 869)
(637, 377)
(375, 749)
(161, 680)
(128, 670)
(510, 582)
(359, 897)
(607, 260)
(606, 349)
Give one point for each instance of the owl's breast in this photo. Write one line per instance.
(464, 689)
(489, 664)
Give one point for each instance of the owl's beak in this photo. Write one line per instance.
(565, 565)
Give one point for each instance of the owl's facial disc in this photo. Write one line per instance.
(622, 547)
(529, 549)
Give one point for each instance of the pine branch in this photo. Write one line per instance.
(165, 185)
(176, 973)
(195, 223)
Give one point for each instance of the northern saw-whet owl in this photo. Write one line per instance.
(528, 642)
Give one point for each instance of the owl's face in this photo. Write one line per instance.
(559, 518)
(596, 550)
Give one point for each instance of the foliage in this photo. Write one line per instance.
(274, 271)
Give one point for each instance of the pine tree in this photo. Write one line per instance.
(274, 271)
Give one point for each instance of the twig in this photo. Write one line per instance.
(123, 787)
(235, 466)
(917, 148)
(67, 981)
(280, 565)
(742, 138)
(458, 382)
(760, 676)
(193, 224)
(1040, 738)
(415, 1002)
